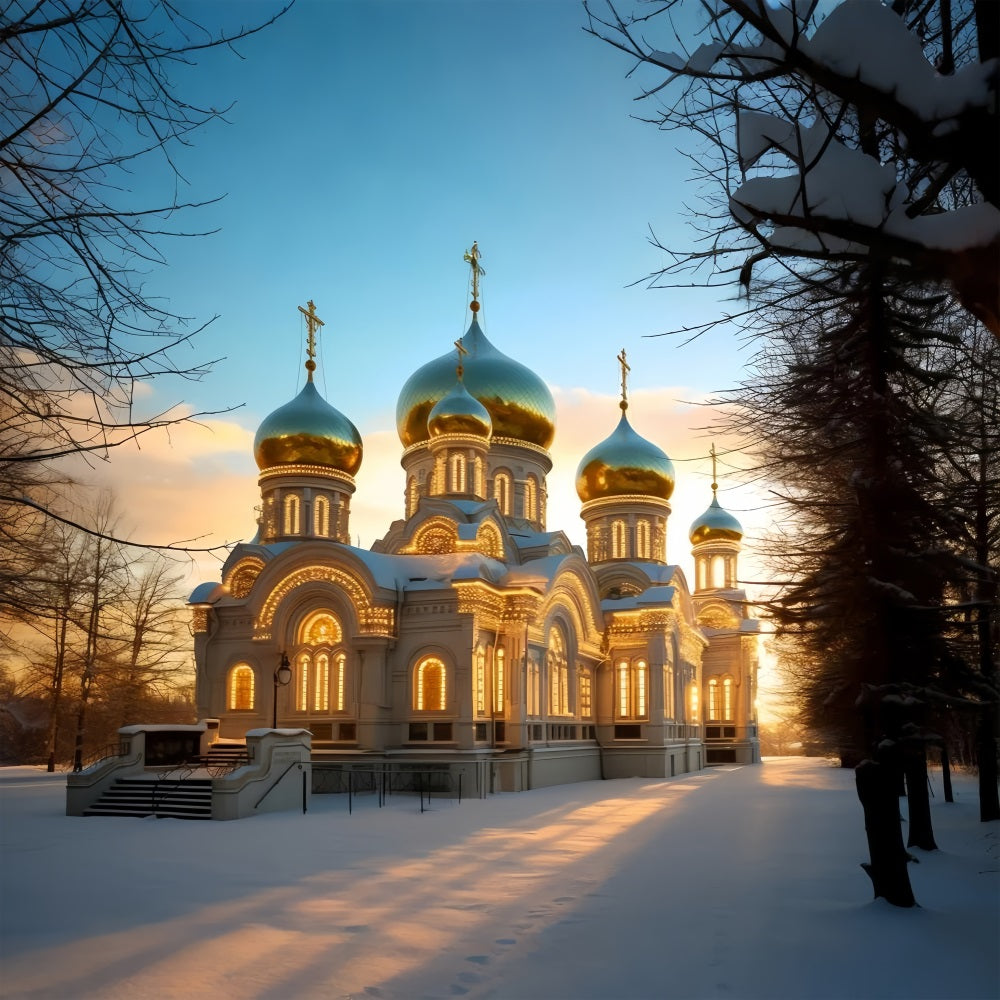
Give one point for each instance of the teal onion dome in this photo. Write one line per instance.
(308, 431)
(459, 413)
(518, 402)
(624, 464)
(715, 525)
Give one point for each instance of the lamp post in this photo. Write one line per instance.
(282, 676)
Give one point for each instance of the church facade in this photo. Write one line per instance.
(471, 633)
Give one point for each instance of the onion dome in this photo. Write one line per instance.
(517, 400)
(625, 464)
(459, 413)
(715, 525)
(308, 431)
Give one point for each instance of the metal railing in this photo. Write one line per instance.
(385, 779)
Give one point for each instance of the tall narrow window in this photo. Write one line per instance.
(534, 687)
(241, 688)
(457, 474)
(713, 699)
(340, 666)
(693, 702)
(291, 508)
(321, 692)
(558, 673)
(412, 495)
(727, 699)
(668, 691)
(302, 696)
(643, 542)
(321, 516)
(498, 680)
(618, 548)
(640, 688)
(501, 492)
(480, 681)
(586, 695)
(429, 689)
(530, 498)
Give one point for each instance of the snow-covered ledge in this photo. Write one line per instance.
(277, 779)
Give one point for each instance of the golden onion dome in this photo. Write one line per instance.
(625, 464)
(308, 431)
(459, 413)
(715, 525)
(518, 402)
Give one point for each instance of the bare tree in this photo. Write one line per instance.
(87, 100)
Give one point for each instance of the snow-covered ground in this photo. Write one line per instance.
(736, 882)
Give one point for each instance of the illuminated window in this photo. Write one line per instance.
(534, 687)
(643, 539)
(713, 699)
(618, 550)
(558, 674)
(241, 688)
(412, 495)
(429, 686)
(321, 516)
(498, 679)
(501, 491)
(321, 668)
(530, 498)
(291, 508)
(632, 684)
(693, 701)
(457, 473)
(668, 691)
(727, 700)
(479, 477)
(586, 695)
(480, 682)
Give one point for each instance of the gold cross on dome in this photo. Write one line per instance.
(472, 257)
(715, 479)
(625, 370)
(313, 322)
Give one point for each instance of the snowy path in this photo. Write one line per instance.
(736, 882)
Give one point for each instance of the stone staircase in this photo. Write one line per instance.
(179, 798)
(178, 793)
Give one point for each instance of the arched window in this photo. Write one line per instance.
(241, 688)
(291, 508)
(498, 679)
(531, 498)
(632, 685)
(558, 673)
(479, 477)
(412, 495)
(534, 687)
(457, 474)
(718, 572)
(429, 685)
(501, 491)
(727, 700)
(321, 516)
(643, 539)
(713, 700)
(693, 702)
(480, 681)
(618, 549)
(320, 666)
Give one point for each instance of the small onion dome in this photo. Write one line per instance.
(624, 464)
(518, 401)
(459, 413)
(308, 431)
(715, 525)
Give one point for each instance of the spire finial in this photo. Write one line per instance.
(459, 369)
(313, 322)
(472, 258)
(715, 478)
(626, 368)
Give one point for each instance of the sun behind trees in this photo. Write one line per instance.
(852, 199)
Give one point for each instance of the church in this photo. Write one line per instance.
(471, 634)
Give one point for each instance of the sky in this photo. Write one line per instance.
(732, 882)
(368, 145)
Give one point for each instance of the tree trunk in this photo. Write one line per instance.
(918, 800)
(986, 755)
(946, 774)
(876, 786)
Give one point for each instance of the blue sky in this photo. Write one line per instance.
(370, 143)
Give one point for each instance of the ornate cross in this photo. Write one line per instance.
(472, 257)
(625, 370)
(715, 479)
(313, 322)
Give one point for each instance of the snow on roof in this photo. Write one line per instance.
(206, 593)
